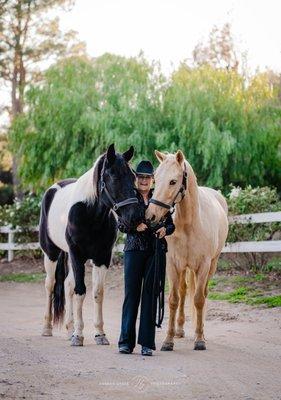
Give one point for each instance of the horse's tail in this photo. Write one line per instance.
(58, 296)
(191, 293)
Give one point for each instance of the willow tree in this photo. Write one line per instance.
(229, 130)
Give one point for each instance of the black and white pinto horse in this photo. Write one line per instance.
(78, 223)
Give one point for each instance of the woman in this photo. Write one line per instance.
(138, 258)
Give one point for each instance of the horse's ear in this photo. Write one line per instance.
(160, 156)
(180, 157)
(129, 154)
(110, 154)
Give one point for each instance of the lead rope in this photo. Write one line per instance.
(158, 290)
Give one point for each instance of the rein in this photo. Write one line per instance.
(158, 269)
(115, 205)
(182, 190)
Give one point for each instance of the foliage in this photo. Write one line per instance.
(248, 201)
(28, 37)
(80, 109)
(274, 265)
(22, 213)
(229, 129)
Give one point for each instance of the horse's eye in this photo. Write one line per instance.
(173, 182)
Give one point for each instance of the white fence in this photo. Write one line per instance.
(11, 246)
(267, 246)
(237, 247)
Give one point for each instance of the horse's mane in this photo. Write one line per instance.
(86, 187)
(97, 173)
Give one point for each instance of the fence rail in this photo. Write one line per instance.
(237, 247)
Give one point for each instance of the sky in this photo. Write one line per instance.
(168, 30)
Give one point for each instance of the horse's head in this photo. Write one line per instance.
(117, 182)
(170, 185)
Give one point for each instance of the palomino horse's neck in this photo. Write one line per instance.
(187, 211)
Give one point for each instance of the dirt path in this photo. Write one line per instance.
(243, 359)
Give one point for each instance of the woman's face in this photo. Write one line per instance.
(144, 183)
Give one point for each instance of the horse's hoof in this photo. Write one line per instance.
(47, 332)
(180, 333)
(200, 345)
(167, 346)
(77, 340)
(70, 333)
(101, 339)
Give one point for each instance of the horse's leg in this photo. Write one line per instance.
(98, 280)
(50, 267)
(78, 265)
(199, 302)
(181, 315)
(69, 284)
(77, 338)
(173, 276)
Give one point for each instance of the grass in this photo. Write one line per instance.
(270, 301)
(22, 277)
(250, 289)
(247, 295)
(274, 265)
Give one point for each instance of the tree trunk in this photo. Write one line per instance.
(17, 108)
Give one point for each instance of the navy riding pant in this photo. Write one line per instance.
(139, 277)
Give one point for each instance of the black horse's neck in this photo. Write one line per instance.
(100, 209)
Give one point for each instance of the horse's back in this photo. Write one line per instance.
(217, 195)
(55, 207)
(58, 215)
(213, 210)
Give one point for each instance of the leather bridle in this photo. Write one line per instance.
(115, 205)
(182, 190)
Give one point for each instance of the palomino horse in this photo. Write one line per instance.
(201, 230)
(77, 224)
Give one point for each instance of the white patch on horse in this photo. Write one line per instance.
(84, 190)
(69, 285)
(98, 281)
(50, 268)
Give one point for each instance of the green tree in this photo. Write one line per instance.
(81, 107)
(229, 130)
(29, 38)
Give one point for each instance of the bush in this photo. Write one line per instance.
(249, 201)
(22, 214)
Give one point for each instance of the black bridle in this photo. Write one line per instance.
(182, 190)
(115, 205)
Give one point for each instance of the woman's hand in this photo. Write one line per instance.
(141, 227)
(161, 232)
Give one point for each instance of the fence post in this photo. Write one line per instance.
(10, 243)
